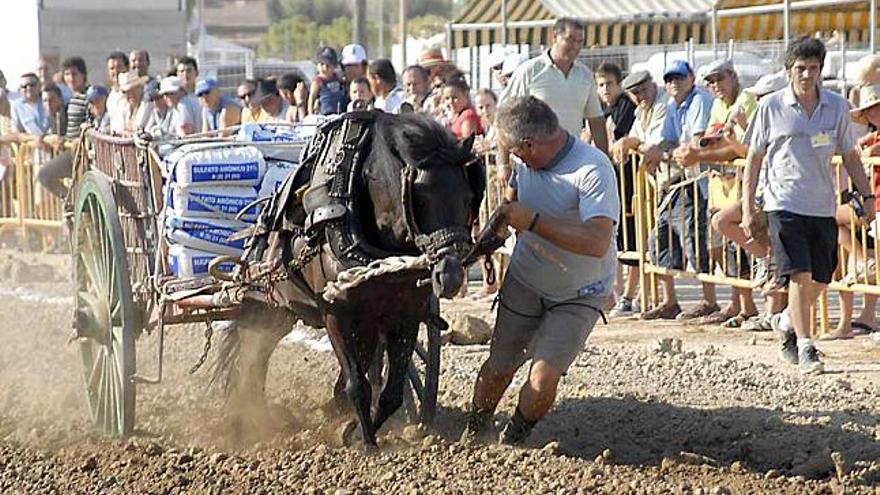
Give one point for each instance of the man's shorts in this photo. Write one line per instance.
(530, 327)
(803, 244)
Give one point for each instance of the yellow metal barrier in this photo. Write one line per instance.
(856, 271)
(24, 204)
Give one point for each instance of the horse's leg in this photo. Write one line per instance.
(400, 345)
(259, 329)
(344, 339)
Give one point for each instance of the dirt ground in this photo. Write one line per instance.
(720, 416)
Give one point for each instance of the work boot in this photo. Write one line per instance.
(809, 361)
(478, 426)
(517, 430)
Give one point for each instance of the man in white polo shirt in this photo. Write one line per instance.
(566, 85)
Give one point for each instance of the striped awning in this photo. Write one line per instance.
(647, 22)
(608, 23)
(852, 19)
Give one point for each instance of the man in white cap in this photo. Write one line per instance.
(353, 59)
(133, 115)
(183, 120)
(731, 111)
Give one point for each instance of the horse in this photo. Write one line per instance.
(414, 192)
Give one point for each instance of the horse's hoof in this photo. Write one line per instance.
(348, 433)
(371, 449)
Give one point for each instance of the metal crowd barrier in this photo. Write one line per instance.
(724, 188)
(24, 204)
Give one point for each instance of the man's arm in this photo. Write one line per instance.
(853, 163)
(590, 238)
(599, 133)
(754, 160)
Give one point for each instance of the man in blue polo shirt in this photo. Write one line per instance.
(794, 134)
(681, 226)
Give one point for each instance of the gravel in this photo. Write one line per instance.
(645, 409)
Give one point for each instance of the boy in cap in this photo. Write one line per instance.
(354, 62)
(327, 95)
(96, 97)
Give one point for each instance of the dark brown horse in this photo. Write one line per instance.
(381, 187)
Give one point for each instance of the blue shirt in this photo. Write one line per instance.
(685, 121)
(579, 184)
(690, 118)
(30, 118)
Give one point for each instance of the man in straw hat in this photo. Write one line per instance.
(133, 114)
(794, 135)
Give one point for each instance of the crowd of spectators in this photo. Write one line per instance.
(685, 127)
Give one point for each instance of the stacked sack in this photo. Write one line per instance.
(208, 184)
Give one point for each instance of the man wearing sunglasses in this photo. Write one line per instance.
(28, 114)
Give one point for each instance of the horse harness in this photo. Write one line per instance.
(319, 204)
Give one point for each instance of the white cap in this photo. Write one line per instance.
(353, 54)
(171, 84)
(511, 62)
(769, 83)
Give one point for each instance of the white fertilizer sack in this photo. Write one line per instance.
(206, 234)
(187, 262)
(211, 202)
(213, 165)
(276, 173)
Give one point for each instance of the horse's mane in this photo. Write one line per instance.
(419, 140)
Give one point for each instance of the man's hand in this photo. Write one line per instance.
(749, 223)
(653, 156)
(686, 155)
(621, 148)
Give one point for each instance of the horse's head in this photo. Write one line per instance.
(441, 187)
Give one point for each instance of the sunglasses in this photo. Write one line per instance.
(246, 95)
(28, 85)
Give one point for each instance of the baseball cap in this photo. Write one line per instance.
(353, 54)
(511, 62)
(205, 85)
(327, 54)
(677, 68)
(95, 92)
(171, 84)
(634, 79)
(717, 67)
(768, 83)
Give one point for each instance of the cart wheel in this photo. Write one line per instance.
(424, 373)
(104, 312)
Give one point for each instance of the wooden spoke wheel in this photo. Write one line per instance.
(104, 308)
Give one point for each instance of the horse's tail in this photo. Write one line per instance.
(224, 369)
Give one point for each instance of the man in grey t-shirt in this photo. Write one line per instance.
(565, 207)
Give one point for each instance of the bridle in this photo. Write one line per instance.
(455, 240)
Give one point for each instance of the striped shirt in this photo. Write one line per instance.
(77, 114)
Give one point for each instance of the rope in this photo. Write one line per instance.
(355, 276)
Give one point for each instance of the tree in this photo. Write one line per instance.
(426, 26)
